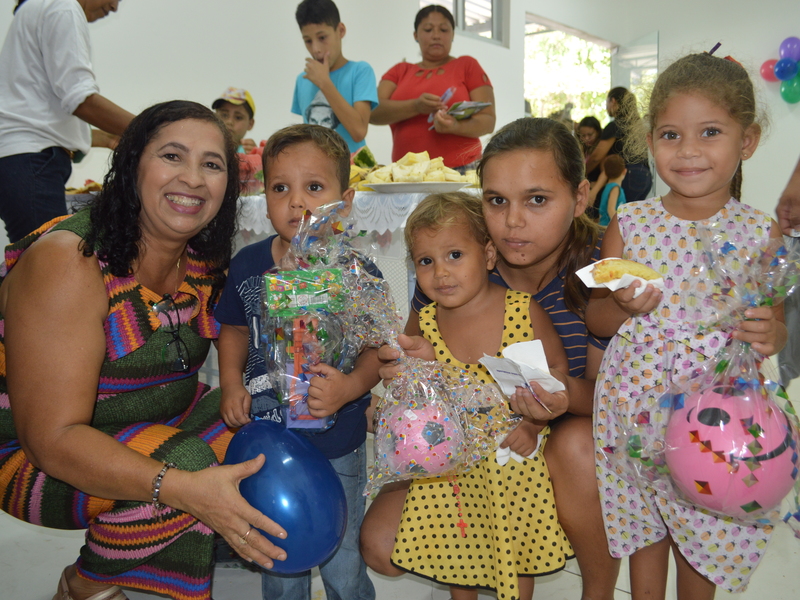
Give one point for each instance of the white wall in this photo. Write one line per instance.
(154, 50)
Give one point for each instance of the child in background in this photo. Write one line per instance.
(613, 195)
(305, 166)
(332, 91)
(534, 198)
(701, 124)
(509, 508)
(235, 107)
(588, 132)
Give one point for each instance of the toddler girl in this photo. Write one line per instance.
(485, 527)
(699, 127)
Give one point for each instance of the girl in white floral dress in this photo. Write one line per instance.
(701, 124)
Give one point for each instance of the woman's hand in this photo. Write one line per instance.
(212, 496)
(526, 404)
(415, 346)
(428, 103)
(444, 122)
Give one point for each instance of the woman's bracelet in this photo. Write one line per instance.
(157, 506)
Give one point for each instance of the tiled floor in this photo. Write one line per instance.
(31, 559)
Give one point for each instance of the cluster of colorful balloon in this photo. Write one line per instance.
(785, 69)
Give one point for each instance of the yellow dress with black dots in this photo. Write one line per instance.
(512, 526)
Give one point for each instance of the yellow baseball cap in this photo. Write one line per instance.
(236, 96)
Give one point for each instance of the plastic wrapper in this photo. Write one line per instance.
(725, 438)
(436, 419)
(304, 327)
(321, 305)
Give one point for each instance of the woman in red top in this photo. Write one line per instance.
(410, 93)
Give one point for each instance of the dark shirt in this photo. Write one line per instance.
(240, 305)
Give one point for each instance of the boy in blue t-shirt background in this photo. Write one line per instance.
(305, 166)
(332, 91)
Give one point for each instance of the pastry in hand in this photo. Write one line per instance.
(615, 268)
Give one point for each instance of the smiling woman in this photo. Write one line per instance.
(414, 97)
(107, 319)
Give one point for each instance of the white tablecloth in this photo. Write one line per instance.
(373, 211)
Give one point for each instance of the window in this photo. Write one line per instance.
(476, 17)
(567, 72)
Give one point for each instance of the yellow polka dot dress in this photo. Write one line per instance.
(509, 511)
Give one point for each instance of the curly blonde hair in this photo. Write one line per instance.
(438, 211)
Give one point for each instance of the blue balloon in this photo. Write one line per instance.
(785, 69)
(297, 488)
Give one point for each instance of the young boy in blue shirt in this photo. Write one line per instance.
(332, 91)
(305, 166)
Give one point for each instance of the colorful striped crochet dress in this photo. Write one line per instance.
(169, 416)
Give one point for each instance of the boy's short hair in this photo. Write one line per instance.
(238, 97)
(443, 210)
(327, 140)
(317, 12)
(614, 166)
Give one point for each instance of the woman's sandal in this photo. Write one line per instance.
(112, 593)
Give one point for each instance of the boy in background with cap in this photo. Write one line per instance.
(332, 91)
(235, 107)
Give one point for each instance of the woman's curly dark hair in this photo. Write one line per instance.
(115, 233)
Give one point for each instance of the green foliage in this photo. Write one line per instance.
(562, 68)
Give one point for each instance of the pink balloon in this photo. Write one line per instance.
(790, 48)
(731, 451)
(768, 70)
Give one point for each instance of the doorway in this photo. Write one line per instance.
(567, 72)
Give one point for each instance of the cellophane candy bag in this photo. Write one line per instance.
(342, 308)
(304, 327)
(728, 437)
(436, 419)
(321, 304)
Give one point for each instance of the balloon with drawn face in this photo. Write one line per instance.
(424, 440)
(731, 451)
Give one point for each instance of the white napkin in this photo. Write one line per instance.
(503, 455)
(522, 362)
(585, 275)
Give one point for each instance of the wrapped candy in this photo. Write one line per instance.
(725, 438)
(321, 304)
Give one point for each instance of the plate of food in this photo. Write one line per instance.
(417, 187)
